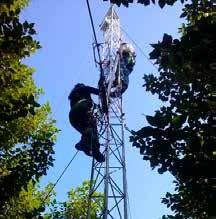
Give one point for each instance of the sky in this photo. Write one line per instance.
(66, 58)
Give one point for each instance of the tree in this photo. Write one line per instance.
(77, 205)
(181, 136)
(28, 204)
(27, 132)
(161, 3)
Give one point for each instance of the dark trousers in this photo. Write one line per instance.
(82, 119)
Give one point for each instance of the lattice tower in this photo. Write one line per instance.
(110, 177)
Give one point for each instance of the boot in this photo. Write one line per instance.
(99, 157)
(82, 147)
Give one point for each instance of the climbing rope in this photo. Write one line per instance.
(61, 175)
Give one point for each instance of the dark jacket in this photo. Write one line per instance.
(82, 92)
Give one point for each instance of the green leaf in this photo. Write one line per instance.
(154, 54)
(157, 121)
(184, 14)
(145, 2)
(178, 121)
(161, 3)
(167, 41)
(145, 132)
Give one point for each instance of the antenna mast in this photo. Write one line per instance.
(110, 177)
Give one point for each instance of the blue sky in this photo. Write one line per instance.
(66, 58)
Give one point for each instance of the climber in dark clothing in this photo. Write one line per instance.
(82, 119)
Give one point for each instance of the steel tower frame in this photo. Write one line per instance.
(109, 177)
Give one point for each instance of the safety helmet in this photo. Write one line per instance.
(127, 48)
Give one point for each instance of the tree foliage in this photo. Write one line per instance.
(28, 204)
(12, 5)
(161, 3)
(77, 205)
(180, 137)
(27, 132)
